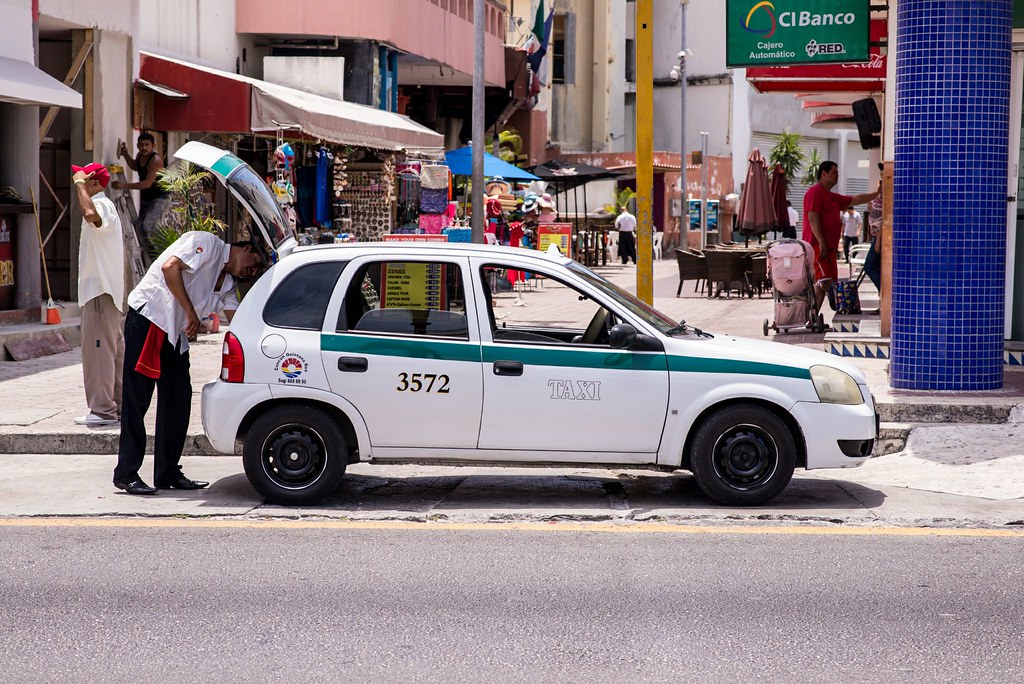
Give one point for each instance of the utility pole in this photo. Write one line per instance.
(703, 189)
(644, 148)
(478, 122)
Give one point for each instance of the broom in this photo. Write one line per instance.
(52, 315)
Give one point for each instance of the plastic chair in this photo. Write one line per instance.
(657, 245)
(858, 255)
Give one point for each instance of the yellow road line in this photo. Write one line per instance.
(634, 528)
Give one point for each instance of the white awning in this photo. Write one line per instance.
(275, 106)
(25, 84)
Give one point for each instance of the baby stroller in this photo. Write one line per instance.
(791, 272)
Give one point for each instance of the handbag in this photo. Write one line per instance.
(844, 298)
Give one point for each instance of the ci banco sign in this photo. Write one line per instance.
(783, 32)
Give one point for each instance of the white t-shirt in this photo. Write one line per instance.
(625, 222)
(101, 255)
(205, 255)
(851, 224)
(794, 218)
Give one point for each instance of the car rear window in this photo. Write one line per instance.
(301, 299)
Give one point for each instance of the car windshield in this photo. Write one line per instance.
(641, 310)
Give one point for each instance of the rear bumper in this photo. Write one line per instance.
(223, 408)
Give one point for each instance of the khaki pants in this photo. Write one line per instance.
(102, 356)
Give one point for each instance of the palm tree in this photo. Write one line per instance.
(184, 183)
(622, 199)
(789, 155)
(510, 145)
(810, 176)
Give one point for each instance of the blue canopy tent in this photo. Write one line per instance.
(460, 162)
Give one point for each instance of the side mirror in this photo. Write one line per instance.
(621, 336)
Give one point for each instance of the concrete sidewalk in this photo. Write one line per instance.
(966, 445)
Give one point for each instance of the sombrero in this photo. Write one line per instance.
(497, 186)
(530, 203)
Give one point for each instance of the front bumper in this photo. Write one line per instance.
(831, 430)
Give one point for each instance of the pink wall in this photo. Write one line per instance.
(439, 30)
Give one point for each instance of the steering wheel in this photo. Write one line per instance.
(597, 329)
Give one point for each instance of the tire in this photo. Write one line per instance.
(766, 327)
(743, 455)
(314, 446)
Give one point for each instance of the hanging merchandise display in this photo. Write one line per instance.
(367, 195)
(434, 198)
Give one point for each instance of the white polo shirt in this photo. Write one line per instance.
(101, 255)
(205, 255)
(625, 223)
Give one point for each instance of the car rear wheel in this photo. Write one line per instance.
(295, 455)
(743, 455)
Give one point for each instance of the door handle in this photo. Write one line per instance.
(508, 368)
(352, 364)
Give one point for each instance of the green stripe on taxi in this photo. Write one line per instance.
(557, 357)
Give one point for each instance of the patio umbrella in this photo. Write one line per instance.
(756, 215)
(460, 162)
(777, 189)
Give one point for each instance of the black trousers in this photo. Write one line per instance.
(848, 240)
(173, 406)
(627, 246)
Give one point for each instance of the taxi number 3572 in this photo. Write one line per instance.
(423, 382)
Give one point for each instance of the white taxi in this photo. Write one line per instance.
(411, 352)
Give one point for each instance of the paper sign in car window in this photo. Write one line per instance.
(413, 285)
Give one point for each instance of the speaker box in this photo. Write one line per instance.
(869, 123)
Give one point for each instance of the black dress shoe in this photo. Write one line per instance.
(182, 482)
(136, 486)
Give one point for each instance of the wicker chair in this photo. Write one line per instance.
(758, 275)
(692, 266)
(727, 270)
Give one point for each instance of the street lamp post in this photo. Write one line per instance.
(678, 73)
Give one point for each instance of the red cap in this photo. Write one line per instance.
(98, 171)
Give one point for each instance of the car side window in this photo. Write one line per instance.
(557, 313)
(300, 300)
(413, 298)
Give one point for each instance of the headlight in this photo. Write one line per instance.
(835, 387)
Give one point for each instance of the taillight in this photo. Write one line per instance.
(232, 360)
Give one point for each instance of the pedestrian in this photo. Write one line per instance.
(153, 200)
(873, 259)
(823, 227)
(101, 288)
(794, 222)
(625, 223)
(852, 225)
(192, 278)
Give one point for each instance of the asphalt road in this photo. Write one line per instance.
(186, 600)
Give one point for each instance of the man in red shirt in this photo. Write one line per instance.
(823, 226)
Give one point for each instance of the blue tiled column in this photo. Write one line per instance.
(949, 213)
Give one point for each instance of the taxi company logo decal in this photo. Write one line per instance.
(575, 390)
(291, 366)
(769, 9)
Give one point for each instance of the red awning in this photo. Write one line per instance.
(827, 78)
(222, 102)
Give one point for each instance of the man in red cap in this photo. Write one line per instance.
(101, 296)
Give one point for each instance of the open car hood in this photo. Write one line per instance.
(249, 189)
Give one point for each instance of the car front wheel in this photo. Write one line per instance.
(294, 455)
(743, 455)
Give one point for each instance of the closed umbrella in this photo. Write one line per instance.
(777, 189)
(756, 215)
